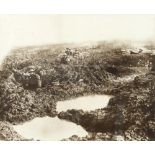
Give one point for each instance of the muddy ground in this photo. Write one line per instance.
(78, 71)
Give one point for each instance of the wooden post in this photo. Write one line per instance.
(39, 82)
(153, 62)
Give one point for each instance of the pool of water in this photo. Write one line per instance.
(85, 103)
(47, 128)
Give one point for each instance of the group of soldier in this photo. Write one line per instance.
(32, 77)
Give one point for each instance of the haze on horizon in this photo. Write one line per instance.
(25, 30)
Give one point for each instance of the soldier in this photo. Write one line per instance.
(34, 80)
(17, 75)
(29, 79)
(68, 51)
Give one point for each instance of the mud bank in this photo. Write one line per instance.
(85, 71)
(129, 114)
(7, 132)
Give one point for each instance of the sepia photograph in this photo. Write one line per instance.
(77, 77)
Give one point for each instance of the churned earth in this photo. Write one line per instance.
(69, 71)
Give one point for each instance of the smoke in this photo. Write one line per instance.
(23, 30)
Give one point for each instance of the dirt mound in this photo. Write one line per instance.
(130, 113)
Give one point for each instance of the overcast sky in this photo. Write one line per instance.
(18, 30)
